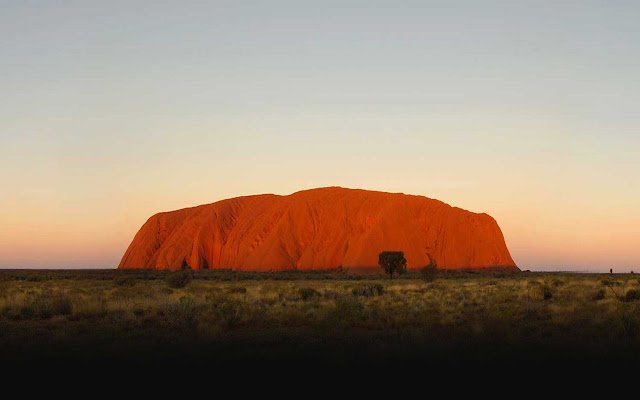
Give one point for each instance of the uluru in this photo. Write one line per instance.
(318, 229)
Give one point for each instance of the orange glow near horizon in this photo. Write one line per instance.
(52, 237)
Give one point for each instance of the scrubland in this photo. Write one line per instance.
(222, 317)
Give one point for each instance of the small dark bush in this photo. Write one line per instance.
(632, 295)
(547, 293)
(631, 325)
(599, 294)
(179, 279)
(45, 306)
(347, 310)
(240, 290)
(183, 314)
(27, 312)
(308, 293)
(429, 273)
(12, 313)
(124, 281)
(330, 294)
(368, 290)
(227, 312)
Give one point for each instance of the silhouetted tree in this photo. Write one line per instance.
(393, 262)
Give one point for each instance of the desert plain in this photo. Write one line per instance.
(223, 318)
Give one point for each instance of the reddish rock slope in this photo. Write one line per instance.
(318, 229)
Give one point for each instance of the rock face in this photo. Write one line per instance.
(318, 229)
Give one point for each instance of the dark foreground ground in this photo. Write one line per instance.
(291, 322)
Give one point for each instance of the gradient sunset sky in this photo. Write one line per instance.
(111, 111)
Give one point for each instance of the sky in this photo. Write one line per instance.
(526, 110)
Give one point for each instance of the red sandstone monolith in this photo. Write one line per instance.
(322, 228)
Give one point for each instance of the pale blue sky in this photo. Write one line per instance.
(112, 111)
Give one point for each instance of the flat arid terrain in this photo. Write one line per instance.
(225, 318)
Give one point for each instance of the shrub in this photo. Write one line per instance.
(429, 273)
(547, 293)
(12, 313)
(631, 325)
(632, 295)
(124, 281)
(183, 314)
(27, 312)
(599, 294)
(308, 293)
(347, 309)
(330, 294)
(368, 290)
(239, 290)
(46, 306)
(392, 262)
(226, 312)
(178, 279)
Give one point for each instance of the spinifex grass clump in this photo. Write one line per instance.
(347, 309)
(632, 295)
(547, 292)
(179, 279)
(124, 280)
(307, 293)
(599, 294)
(182, 315)
(46, 305)
(368, 290)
